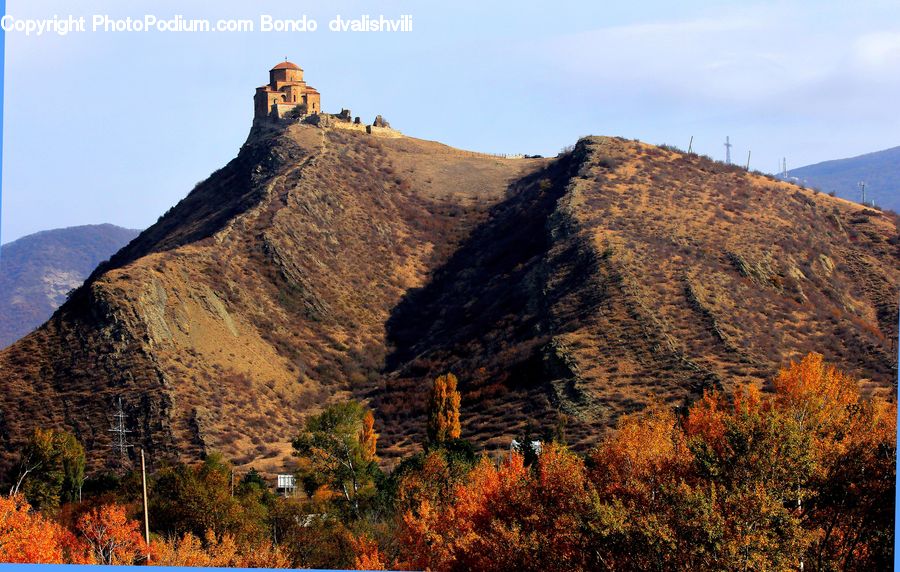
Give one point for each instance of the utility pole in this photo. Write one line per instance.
(784, 167)
(748, 160)
(691, 145)
(144, 486)
(727, 150)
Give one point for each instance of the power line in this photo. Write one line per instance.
(120, 442)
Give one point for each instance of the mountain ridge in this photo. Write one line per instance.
(880, 170)
(324, 264)
(38, 271)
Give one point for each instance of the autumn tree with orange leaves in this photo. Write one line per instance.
(367, 554)
(28, 537)
(851, 486)
(803, 476)
(113, 538)
(506, 517)
(443, 410)
(368, 438)
(217, 551)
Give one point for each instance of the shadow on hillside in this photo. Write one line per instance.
(481, 299)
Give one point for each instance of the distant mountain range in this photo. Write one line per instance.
(879, 170)
(38, 270)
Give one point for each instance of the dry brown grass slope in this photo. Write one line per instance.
(628, 273)
(260, 297)
(321, 264)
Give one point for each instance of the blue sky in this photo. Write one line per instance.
(117, 127)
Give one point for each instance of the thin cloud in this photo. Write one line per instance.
(879, 53)
(733, 57)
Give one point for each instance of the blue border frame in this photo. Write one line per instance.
(2, 84)
(2, 77)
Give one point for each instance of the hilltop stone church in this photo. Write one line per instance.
(285, 91)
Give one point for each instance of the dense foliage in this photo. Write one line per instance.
(801, 476)
(50, 469)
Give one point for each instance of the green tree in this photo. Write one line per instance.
(310, 533)
(339, 449)
(528, 445)
(253, 479)
(200, 498)
(50, 469)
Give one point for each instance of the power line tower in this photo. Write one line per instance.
(120, 442)
(862, 188)
(784, 167)
(727, 150)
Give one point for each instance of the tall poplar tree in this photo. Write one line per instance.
(443, 410)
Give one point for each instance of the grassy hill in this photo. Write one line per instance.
(321, 264)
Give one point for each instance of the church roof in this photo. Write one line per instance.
(286, 65)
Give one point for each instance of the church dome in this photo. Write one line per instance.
(286, 65)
